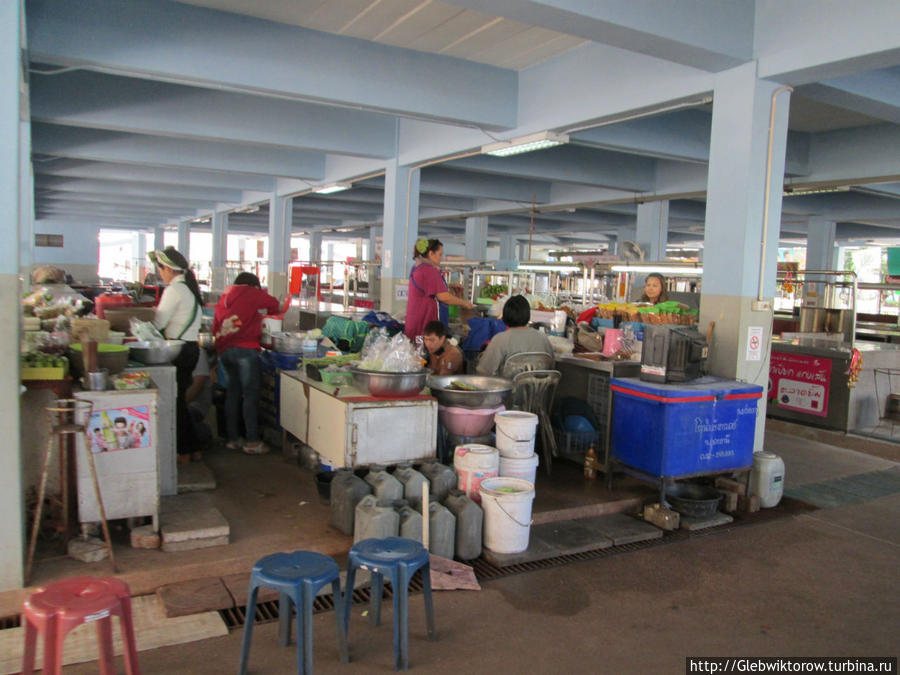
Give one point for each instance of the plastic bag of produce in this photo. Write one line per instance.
(144, 330)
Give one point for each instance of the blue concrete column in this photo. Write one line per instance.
(218, 279)
(280, 225)
(652, 231)
(184, 238)
(821, 253)
(140, 255)
(507, 247)
(26, 202)
(743, 221)
(315, 247)
(522, 248)
(401, 229)
(15, 222)
(476, 238)
(374, 233)
(159, 238)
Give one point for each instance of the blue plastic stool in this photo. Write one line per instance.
(397, 559)
(297, 576)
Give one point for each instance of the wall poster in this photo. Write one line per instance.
(120, 429)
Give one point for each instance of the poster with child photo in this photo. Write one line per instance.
(120, 429)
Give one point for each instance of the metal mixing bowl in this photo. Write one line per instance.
(155, 353)
(389, 385)
(691, 499)
(490, 392)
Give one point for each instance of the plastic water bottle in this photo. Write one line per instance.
(375, 519)
(347, 489)
(590, 463)
(469, 524)
(384, 485)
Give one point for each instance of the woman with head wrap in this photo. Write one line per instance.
(428, 294)
(178, 317)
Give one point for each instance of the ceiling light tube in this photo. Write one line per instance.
(549, 268)
(662, 269)
(538, 141)
(331, 188)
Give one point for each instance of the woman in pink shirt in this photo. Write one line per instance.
(428, 293)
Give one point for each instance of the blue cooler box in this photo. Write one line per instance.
(684, 429)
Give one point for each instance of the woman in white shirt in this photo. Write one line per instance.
(178, 316)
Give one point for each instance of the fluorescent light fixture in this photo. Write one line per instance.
(549, 268)
(538, 141)
(331, 188)
(793, 192)
(662, 269)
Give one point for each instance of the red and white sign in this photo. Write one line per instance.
(800, 382)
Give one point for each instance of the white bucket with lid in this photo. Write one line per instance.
(507, 513)
(473, 463)
(515, 433)
(519, 467)
(767, 478)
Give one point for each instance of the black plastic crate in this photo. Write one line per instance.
(575, 444)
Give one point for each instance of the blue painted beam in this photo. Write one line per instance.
(151, 174)
(875, 94)
(112, 146)
(170, 41)
(570, 164)
(705, 34)
(137, 189)
(101, 101)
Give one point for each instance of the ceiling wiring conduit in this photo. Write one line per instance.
(765, 222)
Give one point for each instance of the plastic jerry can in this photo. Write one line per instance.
(442, 479)
(347, 489)
(441, 530)
(375, 519)
(767, 478)
(469, 524)
(411, 480)
(410, 522)
(384, 485)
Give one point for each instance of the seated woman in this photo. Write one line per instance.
(444, 358)
(516, 339)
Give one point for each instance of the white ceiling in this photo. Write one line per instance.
(423, 25)
(158, 112)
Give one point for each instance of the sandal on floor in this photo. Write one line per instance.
(236, 444)
(258, 448)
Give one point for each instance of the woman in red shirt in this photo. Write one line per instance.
(428, 293)
(237, 327)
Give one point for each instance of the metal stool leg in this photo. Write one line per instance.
(339, 613)
(39, 509)
(103, 523)
(248, 629)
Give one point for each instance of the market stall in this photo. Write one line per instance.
(349, 427)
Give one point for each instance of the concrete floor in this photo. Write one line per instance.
(822, 583)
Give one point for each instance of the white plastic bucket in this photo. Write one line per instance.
(515, 433)
(507, 513)
(519, 467)
(473, 463)
(767, 478)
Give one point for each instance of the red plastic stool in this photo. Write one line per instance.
(57, 608)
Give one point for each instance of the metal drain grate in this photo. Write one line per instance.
(486, 571)
(267, 612)
(10, 622)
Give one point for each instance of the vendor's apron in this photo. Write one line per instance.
(443, 310)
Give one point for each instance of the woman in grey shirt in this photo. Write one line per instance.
(516, 339)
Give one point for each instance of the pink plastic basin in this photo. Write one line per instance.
(468, 421)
